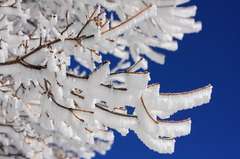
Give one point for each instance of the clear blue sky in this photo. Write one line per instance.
(209, 57)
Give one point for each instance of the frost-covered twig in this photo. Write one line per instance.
(43, 103)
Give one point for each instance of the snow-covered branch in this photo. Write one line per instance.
(45, 106)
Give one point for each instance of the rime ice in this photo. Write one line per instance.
(48, 111)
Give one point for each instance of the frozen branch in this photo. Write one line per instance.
(45, 106)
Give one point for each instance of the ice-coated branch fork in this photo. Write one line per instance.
(46, 108)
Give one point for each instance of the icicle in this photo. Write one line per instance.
(52, 65)
(106, 26)
(3, 51)
(61, 74)
(46, 122)
(2, 57)
(100, 74)
(97, 33)
(54, 20)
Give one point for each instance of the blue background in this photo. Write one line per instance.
(209, 57)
